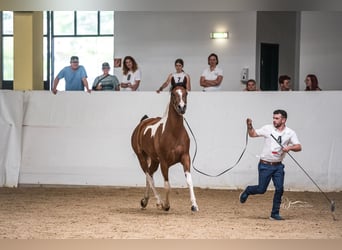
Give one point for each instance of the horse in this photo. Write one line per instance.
(164, 141)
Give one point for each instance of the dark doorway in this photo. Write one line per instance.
(269, 65)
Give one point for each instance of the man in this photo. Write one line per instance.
(270, 165)
(251, 85)
(106, 81)
(75, 77)
(285, 83)
(212, 76)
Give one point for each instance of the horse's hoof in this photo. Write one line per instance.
(166, 208)
(143, 202)
(194, 209)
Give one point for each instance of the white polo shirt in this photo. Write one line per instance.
(212, 75)
(272, 151)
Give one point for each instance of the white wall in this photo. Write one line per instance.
(11, 120)
(81, 139)
(321, 48)
(157, 39)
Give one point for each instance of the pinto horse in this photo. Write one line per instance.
(165, 141)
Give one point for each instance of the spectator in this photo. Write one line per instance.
(131, 75)
(177, 78)
(285, 83)
(106, 81)
(75, 77)
(212, 76)
(311, 83)
(251, 85)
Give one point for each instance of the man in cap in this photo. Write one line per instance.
(75, 77)
(106, 81)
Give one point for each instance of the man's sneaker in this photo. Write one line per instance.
(276, 217)
(243, 197)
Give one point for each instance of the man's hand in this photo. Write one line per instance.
(249, 123)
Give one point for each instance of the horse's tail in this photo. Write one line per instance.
(143, 118)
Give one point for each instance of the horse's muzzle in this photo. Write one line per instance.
(181, 109)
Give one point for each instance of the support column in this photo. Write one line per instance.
(28, 50)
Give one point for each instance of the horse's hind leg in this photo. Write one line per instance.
(150, 184)
(149, 179)
(143, 160)
(144, 201)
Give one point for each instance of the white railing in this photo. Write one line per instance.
(75, 138)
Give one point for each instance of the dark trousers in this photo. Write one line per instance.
(266, 173)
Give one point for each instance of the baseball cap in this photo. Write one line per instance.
(74, 59)
(105, 65)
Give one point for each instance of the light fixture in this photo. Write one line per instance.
(219, 35)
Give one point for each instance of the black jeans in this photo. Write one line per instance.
(266, 173)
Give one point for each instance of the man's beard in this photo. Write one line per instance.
(276, 125)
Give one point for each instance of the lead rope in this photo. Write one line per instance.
(286, 203)
(225, 171)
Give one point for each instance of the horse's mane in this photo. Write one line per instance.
(143, 118)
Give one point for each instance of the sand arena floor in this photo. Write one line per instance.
(115, 213)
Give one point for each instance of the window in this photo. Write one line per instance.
(87, 34)
(87, 23)
(63, 23)
(106, 22)
(7, 49)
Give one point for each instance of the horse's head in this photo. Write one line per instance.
(179, 99)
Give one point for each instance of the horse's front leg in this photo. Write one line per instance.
(186, 165)
(194, 206)
(167, 187)
(166, 205)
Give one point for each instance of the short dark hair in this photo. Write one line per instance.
(280, 111)
(180, 61)
(214, 55)
(251, 80)
(282, 78)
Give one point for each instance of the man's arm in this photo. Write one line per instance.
(210, 83)
(294, 148)
(55, 83)
(85, 83)
(251, 131)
